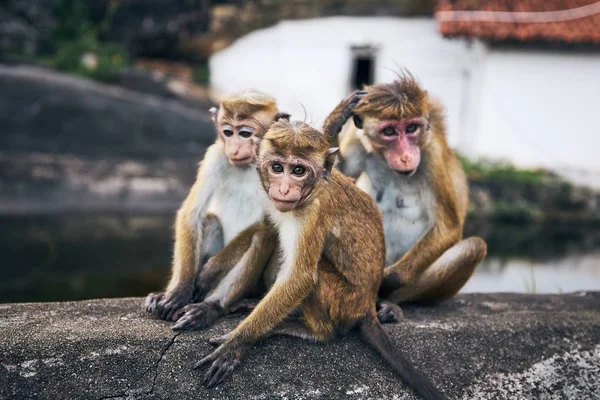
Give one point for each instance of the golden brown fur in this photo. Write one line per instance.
(439, 263)
(332, 256)
(195, 227)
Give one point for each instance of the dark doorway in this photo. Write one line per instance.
(363, 66)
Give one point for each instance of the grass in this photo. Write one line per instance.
(503, 172)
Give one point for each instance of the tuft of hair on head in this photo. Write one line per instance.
(297, 137)
(400, 99)
(249, 101)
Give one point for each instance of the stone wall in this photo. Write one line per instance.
(496, 346)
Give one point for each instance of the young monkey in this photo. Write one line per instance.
(401, 157)
(332, 256)
(222, 202)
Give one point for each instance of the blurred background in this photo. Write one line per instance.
(103, 119)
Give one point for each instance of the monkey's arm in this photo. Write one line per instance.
(228, 276)
(287, 293)
(337, 118)
(216, 269)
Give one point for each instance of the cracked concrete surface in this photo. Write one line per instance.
(484, 346)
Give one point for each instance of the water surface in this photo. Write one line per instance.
(74, 257)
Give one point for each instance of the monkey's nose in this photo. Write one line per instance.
(405, 159)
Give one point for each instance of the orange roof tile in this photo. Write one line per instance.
(566, 21)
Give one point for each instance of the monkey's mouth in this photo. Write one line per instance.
(410, 172)
(284, 205)
(241, 161)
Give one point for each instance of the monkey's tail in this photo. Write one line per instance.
(373, 334)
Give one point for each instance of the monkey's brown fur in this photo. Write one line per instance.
(438, 264)
(332, 259)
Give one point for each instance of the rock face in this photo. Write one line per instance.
(497, 346)
(69, 143)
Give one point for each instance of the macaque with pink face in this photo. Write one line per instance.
(398, 152)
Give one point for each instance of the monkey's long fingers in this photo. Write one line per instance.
(186, 322)
(224, 372)
(217, 340)
(214, 368)
(152, 301)
(209, 358)
(357, 95)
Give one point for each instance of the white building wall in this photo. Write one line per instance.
(532, 108)
(309, 62)
(537, 108)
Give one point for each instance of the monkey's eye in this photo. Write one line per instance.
(277, 168)
(299, 171)
(411, 128)
(227, 132)
(245, 134)
(389, 131)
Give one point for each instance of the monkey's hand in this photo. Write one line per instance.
(167, 306)
(388, 312)
(198, 316)
(223, 361)
(336, 120)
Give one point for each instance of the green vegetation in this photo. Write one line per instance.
(503, 172)
(201, 74)
(77, 48)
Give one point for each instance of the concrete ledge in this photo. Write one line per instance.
(496, 346)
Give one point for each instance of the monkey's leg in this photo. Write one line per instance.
(446, 276)
(212, 242)
(232, 287)
(220, 263)
(295, 328)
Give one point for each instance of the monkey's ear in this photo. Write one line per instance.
(213, 113)
(256, 140)
(358, 122)
(330, 161)
(282, 115)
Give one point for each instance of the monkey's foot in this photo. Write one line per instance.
(217, 340)
(152, 301)
(243, 306)
(388, 312)
(166, 306)
(198, 316)
(223, 362)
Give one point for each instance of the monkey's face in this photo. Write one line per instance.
(287, 180)
(237, 135)
(397, 141)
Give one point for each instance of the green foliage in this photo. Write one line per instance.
(503, 172)
(90, 58)
(73, 21)
(78, 49)
(201, 74)
(515, 212)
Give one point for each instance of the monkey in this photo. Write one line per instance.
(222, 202)
(398, 153)
(332, 256)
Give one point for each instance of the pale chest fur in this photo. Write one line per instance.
(405, 204)
(289, 228)
(238, 200)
